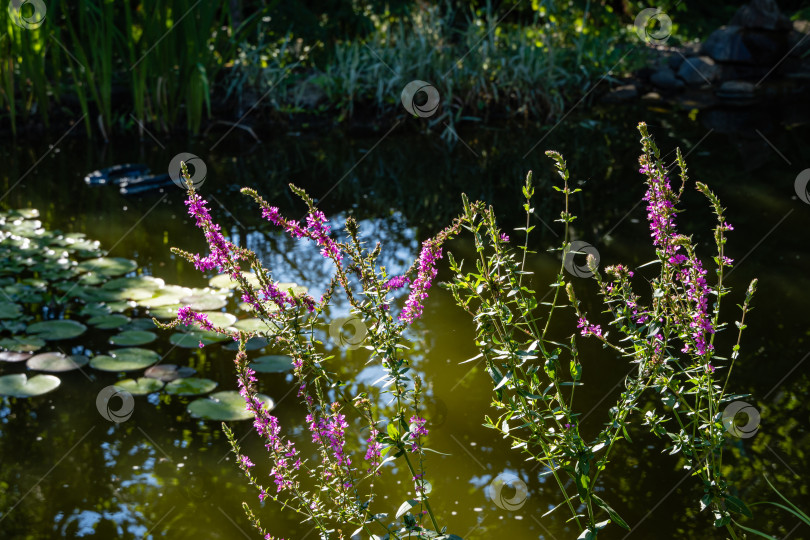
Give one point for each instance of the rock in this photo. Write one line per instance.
(665, 79)
(799, 39)
(620, 94)
(308, 94)
(698, 71)
(737, 93)
(675, 61)
(726, 45)
(651, 96)
(761, 14)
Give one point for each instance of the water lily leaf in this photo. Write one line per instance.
(8, 356)
(138, 282)
(218, 318)
(140, 386)
(56, 362)
(139, 324)
(19, 385)
(251, 345)
(118, 307)
(224, 406)
(128, 338)
(224, 281)
(57, 329)
(10, 310)
(165, 312)
(255, 325)
(108, 266)
(192, 338)
(22, 343)
(94, 310)
(92, 278)
(204, 302)
(272, 363)
(169, 372)
(191, 386)
(109, 322)
(25, 213)
(129, 359)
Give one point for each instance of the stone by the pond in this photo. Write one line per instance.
(665, 79)
(737, 92)
(190, 386)
(169, 372)
(57, 329)
(726, 44)
(140, 386)
(9, 356)
(56, 362)
(761, 14)
(225, 406)
(620, 94)
(20, 386)
(697, 71)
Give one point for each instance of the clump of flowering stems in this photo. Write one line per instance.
(669, 343)
(335, 492)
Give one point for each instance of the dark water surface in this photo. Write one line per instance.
(67, 472)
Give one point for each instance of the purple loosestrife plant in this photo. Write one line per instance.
(669, 341)
(334, 490)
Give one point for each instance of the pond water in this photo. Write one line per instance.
(68, 472)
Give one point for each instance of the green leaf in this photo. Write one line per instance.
(613, 514)
(190, 386)
(737, 505)
(56, 362)
(57, 329)
(404, 507)
(20, 386)
(141, 386)
(224, 406)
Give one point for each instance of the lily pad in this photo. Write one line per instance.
(55, 362)
(204, 302)
(8, 356)
(169, 372)
(109, 266)
(140, 386)
(109, 322)
(129, 359)
(192, 338)
(22, 343)
(165, 312)
(272, 363)
(56, 330)
(251, 345)
(128, 338)
(190, 386)
(138, 282)
(224, 406)
(254, 325)
(19, 385)
(224, 281)
(139, 324)
(218, 318)
(10, 310)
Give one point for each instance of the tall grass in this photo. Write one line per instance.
(154, 59)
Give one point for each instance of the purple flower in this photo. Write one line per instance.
(504, 237)
(373, 453)
(418, 429)
(245, 462)
(431, 252)
(397, 282)
(588, 329)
